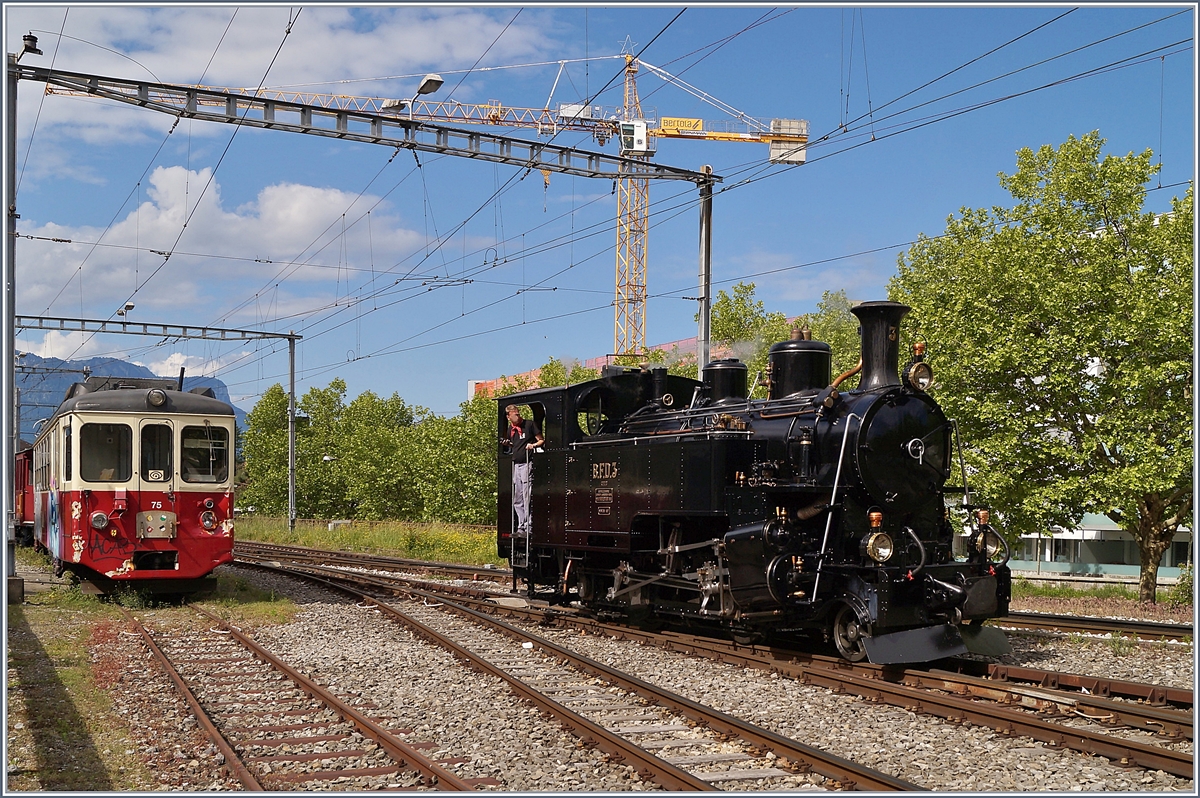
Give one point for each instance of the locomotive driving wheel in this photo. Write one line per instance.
(847, 634)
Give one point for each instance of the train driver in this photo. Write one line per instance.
(524, 437)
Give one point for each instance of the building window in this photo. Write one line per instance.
(1066, 550)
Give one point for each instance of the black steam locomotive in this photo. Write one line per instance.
(659, 497)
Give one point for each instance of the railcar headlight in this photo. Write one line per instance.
(918, 376)
(989, 543)
(99, 520)
(878, 546)
(157, 397)
(208, 520)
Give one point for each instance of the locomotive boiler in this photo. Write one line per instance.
(815, 510)
(132, 484)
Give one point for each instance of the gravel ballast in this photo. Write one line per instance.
(358, 654)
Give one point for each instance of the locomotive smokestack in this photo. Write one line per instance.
(880, 324)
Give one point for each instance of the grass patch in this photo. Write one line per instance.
(237, 601)
(453, 543)
(63, 733)
(25, 555)
(1027, 588)
(1120, 645)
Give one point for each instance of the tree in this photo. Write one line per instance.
(743, 325)
(352, 461)
(456, 464)
(834, 324)
(265, 445)
(1060, 331)
(557, 372)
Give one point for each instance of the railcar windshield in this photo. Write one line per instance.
(156, 452)
(205, 454)
(105, 452)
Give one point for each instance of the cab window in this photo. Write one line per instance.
(105, 452)
(156, 453)
(204, 454)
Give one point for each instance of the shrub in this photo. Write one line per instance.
(1180, 594)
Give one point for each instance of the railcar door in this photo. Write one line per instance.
(152, 514)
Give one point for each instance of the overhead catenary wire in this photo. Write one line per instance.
(655, 38)
(839, 151)
(212, 175)
(1098, 70)
(41, 102)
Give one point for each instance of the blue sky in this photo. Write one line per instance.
(897, 158)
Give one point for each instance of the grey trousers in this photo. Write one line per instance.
(522, 489)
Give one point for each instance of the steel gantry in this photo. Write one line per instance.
(346, 123)
(634, 129)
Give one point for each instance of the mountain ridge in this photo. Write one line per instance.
(43, 383)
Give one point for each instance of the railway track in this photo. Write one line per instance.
(1146, 630)
(1051, 712)
(278, 730)
(670, 740)
(1066, 624)
(354, 559)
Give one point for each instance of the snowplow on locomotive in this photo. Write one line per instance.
(660, 497)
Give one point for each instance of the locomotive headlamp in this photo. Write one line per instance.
(208, 520)
(875, 518)
(99, 520)
(989, 543)
(918, 376)
(878, 546)
(983, 515)
(157, 397)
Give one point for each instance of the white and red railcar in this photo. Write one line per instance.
(133, 484)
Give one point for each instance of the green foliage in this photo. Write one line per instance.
(132, 598)
(834, 324)
(1023, 588)
(374, 458)
(1121, 646)
(1060, 331)
(556, 372)
(742, 325)
(1180, 593)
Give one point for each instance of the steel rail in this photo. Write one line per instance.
(1099, 686)
(1006, 721)
(1153, 630)
(650, 767)
(232, 760)
(363, 559)
(1153, 694)
(397, 749)
(846, 772)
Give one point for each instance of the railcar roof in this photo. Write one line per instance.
(133, 400)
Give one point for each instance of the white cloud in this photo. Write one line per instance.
(65, 345)
(174, 44)
(194, 365)
(223, 257)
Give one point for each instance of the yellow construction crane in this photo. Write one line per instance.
(634, 131)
